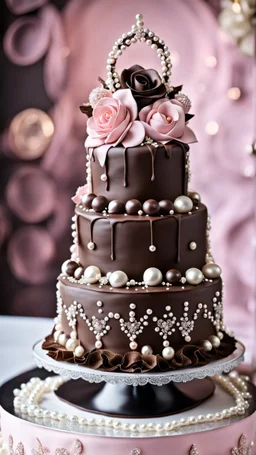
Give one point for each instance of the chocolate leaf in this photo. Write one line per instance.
(86, 109)
(102, 82)
(188, 117)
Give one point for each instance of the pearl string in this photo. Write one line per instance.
(138, 34)
(27, 400)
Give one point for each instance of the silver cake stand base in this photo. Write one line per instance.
(136, 395)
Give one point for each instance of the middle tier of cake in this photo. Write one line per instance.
(135, 243)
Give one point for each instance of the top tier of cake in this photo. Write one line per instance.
(144, 172)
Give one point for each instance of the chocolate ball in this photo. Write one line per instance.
(115, 207)
(87, 200)
(166, 206)
(68, 267)
(99, 203)
(195, 196)
(173, 276)
(133, 206)
(151, 207)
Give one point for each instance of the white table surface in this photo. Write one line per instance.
(17, 336)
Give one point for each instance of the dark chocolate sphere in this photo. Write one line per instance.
(87, 200)
(115, 207)
(173, 276)
(195, 197)
(133, 206)
(68, 267)
(99, 203)
(151, 207)
(166, 206)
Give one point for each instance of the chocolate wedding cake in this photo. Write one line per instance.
(139, 323)
(141, 291)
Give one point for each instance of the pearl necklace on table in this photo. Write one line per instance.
(27, 400)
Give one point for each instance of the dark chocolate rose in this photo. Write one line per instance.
(145, 85)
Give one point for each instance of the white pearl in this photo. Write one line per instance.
(98, 344)
(187, 339)
(79, 351)
(220, 335)
(90, 246)
(194, 276)
(192, 246)
(146, 350)
(118, 279)
(56, 335)
(207, 345)
(139, 17)
(168, 353)
(58, 327)
(92, 274)
(215, 341)
(152, 248)
(78, 273)
(183, 204)
(152, 276)
(62, 339)
(103, 177)
(166, 344)
(133, 345)
(211, 270)
(71, 344)
(73, 335)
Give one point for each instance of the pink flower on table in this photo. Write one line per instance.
(80, 192)
(114, 122)
(164, 121)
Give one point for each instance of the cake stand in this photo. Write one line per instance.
(136, 394)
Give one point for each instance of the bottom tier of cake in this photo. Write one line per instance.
(36, 421)
(139, 328)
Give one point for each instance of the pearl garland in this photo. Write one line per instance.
(138, 34)
(27, 400)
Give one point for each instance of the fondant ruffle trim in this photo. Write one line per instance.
(134, 362)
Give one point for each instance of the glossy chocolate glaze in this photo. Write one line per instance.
(122, 242)
(143, 172)
(156, 299)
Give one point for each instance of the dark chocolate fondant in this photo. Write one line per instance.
(144, 172)
(123, 242)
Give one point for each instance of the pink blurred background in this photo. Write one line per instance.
(52, 55)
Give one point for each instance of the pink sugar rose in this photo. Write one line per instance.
(80, 192)
(164, 121)
(114, 122)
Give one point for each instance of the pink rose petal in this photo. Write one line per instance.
(135, 135)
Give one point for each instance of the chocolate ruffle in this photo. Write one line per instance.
(134, 362)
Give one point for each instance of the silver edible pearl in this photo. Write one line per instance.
(71, 344)
(214, 340)
(133, 345)
(194, 276)
(92, 274)
(207, 345)
(152, 248)
(211, 271)
(146, 350)
(183, 204)
(90, 246)
(118, 279)
(168, 353)
(192, 246)
(79, 351)
(152, 276)
(103, 177)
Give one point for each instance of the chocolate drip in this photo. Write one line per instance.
(167, 151)
(112, 227)
(178, 218)
(152, 150)
(92, 224)
(106, 172)
(125, 167)
(151, 232)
